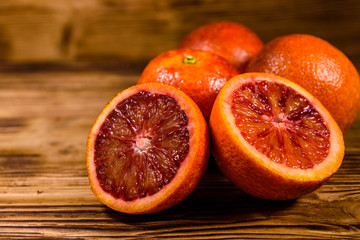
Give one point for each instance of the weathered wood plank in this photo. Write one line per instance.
(61, 30)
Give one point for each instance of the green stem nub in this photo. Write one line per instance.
(189, 60)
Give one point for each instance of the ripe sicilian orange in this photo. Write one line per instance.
(147, 150)
(199, 74)
(233, 41)
(272, 138)
(317, 66)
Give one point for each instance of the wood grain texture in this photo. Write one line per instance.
(45, 117)
(138, 30)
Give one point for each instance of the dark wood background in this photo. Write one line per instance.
(62, 60)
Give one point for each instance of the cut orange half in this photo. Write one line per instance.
(147, 149)
(272, 138)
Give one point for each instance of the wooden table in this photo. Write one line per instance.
(46, 112)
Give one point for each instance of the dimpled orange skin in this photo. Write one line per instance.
(254, 173)
(317, 66)
(201, 80)
(233, 41)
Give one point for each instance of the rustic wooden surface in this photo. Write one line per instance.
(45, 117)
(97, 48)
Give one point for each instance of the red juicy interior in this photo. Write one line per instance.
(141, 145)
(281, 124)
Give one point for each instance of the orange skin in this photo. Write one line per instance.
(317, 66)
(252, 171)
(234, 42)
(188, 175)
(201, 77)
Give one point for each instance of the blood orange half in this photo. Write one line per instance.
(147, 150)
(272, 138)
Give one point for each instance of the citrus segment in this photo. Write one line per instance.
(149, 153)
(272, 138)
(281, 124)
(147, 150)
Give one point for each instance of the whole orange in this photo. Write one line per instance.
(233, 41)
(199, 74)
(317, 66)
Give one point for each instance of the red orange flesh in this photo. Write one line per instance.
(281, 124)
(147, 150)
(272, 138)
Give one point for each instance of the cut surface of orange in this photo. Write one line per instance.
(147, 149)
(272, 138)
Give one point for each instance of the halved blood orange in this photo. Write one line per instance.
(272, 138)
(147, 150)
